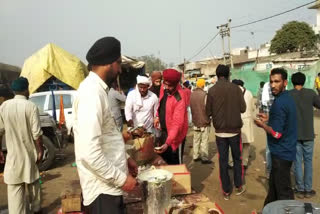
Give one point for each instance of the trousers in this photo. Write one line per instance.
(106, 204)
(17, 202)
(279, 181)
(223, 145)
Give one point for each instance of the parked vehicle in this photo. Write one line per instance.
(44, 101)
(52, 141)
(52, 137)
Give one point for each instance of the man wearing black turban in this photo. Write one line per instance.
(20, 121)
(100, 151)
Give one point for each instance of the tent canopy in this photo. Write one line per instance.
(131, 62)
(52, 60)
(8, 73)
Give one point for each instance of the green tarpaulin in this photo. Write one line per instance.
(252, 79)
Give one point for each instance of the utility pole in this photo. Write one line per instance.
(224, 31)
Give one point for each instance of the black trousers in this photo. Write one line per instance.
(106, 204)
(279, 181)
(223, 145)
(169, 156)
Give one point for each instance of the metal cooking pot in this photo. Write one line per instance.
(156, 187)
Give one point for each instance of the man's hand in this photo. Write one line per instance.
(130, 123)
(133, 167)
(129, 184)
(162, 149)
(263, 117)
(156, 122)
(259, 123)
(40, 155)
(39, 145)
(1, 157)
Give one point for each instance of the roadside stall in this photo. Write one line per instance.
(52, 63)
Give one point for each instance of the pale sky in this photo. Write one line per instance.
(143, 26)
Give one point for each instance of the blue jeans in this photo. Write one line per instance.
(305, 154)
(268, 159)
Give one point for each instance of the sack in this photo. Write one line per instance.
(142, 149)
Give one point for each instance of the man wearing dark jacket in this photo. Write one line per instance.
(225, 103)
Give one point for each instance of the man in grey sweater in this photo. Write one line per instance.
(305, 99)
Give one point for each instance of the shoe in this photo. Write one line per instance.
(300, 194)
(226, 196)
(197, 160)
(309, 194)
(206, 161)
(240, 190)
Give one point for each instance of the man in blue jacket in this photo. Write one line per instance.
(281, 128)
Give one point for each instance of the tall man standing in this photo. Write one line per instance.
(101, 158)
(305, 100)
(201, 124)
(247, 136)
(20, 122)
(225, 103)
(172, 117)
(282, 137)
(141, 105)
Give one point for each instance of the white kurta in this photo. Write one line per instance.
(99, 146)
(141, 110)
(247, 117)
(20, 122)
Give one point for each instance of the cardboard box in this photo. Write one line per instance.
(71, 197)
(181, 181)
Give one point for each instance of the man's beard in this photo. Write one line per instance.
(111, 78)
(157, 87)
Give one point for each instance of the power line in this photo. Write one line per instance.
(269, 17)
(249, 23)
(204, 47)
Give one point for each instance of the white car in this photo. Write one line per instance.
(44, 101)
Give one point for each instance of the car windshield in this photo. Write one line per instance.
(67, 101)
(39, 101)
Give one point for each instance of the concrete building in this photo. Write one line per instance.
(263, 51)
(205, 67)
(316, 6)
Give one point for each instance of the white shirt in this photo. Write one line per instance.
(20, 122)
(115, 99)
(248, 98)
(99, 146)
(265, 97)
(141, 110)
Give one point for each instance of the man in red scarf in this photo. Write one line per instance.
(172, 117)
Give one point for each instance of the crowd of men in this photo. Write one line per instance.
(160, 105)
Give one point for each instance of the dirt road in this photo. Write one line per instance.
(205, 178)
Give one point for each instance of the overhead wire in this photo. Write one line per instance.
(250, 23)
(204, 47)
(275, 15)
